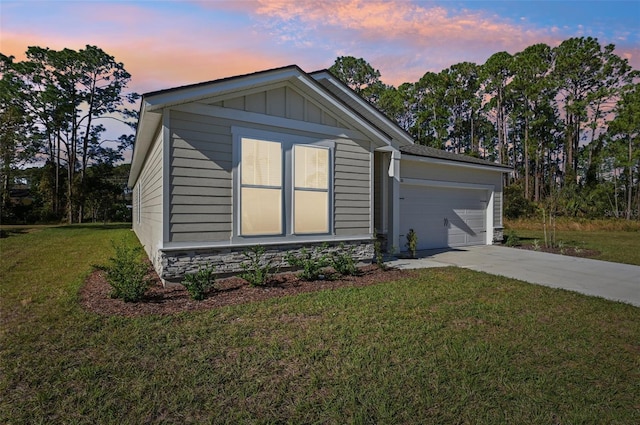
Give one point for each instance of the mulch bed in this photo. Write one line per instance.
(159, 300)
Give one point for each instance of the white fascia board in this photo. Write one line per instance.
(270, 120)
(452, 163)
(379, 138)
(147, 129)
(389, 125)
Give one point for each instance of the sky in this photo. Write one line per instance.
(166, 44)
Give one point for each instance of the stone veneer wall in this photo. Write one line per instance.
(498, 234)
(227, 261)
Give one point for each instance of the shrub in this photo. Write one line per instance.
(377, 250)
(257, 270)
(412, 242)
(199, 283)
(127, 274)
(343, 261)
(512, 239)
(310, 261)
(515, 203)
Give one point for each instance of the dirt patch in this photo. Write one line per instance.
(94, 295)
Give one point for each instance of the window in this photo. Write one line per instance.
(282, 185)
(261, 188)
(311, 189)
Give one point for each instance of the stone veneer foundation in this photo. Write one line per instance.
(228, 261)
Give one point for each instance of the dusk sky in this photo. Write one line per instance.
(171, 43)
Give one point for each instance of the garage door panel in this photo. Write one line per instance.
(443, 216)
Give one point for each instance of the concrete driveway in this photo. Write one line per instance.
(613, 281)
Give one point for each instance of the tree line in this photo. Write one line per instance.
(53, 110)
(567, 119)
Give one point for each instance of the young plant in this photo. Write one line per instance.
(199, 283)
(127, 274)
(412, 242)
(377, 250)
(536, 245)
(343, 261)
(312, 262)
(257, 270)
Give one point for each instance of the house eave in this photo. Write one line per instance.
(454, 163)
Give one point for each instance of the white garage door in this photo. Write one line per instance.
(442, 216)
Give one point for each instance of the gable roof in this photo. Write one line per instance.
(429, 152)
(321, 86)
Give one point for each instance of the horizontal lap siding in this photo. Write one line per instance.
(352, 183)
(149, 184)
(201, 155)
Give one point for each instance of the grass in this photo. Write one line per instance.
(617, 240)
(448, 346)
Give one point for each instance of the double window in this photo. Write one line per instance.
(284, 188)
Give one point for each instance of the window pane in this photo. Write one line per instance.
(261, 211)
(311, 212)
(311, 167)
(261, 163)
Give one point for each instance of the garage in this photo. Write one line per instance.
(444, 214)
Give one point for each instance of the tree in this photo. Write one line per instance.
(531, 95)
(624, 133)
(462, 85)
(360, 76)
(431, 125)
(496, 73)
(587, 77)
(16, 128)
(67, 93)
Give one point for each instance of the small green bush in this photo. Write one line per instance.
(312, 262)
(512, 239)
(199, 283)
(257, 270)
(127, 274)
(377, 250)
(343, 261)
(412, 242)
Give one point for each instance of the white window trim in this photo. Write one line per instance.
(287, 142)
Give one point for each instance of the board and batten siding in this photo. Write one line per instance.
(147, 202)
(284, 102)
(352, 188)
(200, 187)
(428, 171)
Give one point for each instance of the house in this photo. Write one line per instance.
(287, 159)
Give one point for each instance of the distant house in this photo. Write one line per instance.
(286, 159)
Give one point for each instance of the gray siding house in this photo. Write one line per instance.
(286, 159)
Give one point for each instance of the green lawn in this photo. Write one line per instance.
(449, 346)
(609, 237)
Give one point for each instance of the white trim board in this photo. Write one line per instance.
(452, 163)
